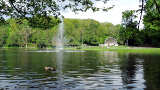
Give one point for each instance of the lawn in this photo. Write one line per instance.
(119, 49)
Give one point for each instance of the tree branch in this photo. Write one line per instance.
(141, 14)
(20, 12)
(157, 7)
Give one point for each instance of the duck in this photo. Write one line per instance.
(49, 68)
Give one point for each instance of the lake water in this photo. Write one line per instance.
(78, 70)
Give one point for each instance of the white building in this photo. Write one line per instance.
(109, 42)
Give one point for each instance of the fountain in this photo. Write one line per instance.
(59, 56)
(60, 38)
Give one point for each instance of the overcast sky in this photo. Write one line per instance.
(114, 15)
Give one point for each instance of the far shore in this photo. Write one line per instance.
(97, 48)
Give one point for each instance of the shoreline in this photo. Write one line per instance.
(121, 49)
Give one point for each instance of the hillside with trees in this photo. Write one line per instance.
(22, 33)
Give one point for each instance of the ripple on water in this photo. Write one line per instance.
(86, 73)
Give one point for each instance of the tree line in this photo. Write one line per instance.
(25, 33)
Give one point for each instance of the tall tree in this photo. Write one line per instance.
(152, 22)
(128, 27)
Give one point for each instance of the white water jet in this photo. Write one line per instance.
(59, 56)
(60, 38)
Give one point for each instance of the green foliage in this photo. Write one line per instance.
(129, 32)
(149, 36)
(152, 16)
(2, 21)
(42, 38)
(19, 32)
(3, 35)
(25, 8)
(13, 39)
(90, 32)
(151, 22)
(44, 22)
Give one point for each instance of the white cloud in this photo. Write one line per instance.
(114, 15)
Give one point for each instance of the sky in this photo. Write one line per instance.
(114, 15)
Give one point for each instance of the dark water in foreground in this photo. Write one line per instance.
(78, 70)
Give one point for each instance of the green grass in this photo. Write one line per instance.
(137, 50)
(122, 49)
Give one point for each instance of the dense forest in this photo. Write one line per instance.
(22, 33)
(40, 29)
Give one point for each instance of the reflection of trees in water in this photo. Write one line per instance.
(9, 60)
(108, 57)
(81, 61)
(150, 66)
(152, 72)
(27, 67)
(2, 59)
(20, 62)
(128, 68)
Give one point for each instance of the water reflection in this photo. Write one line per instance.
(132, 72)
(152, 72)
(89, 70)
(59, 60)
(109, 57)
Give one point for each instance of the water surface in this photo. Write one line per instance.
(78, 70)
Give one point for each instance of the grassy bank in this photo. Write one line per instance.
(122, 49)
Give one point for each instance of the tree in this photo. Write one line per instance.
(151, 22)
(44, 22)
(129, 27)
(38, 12)
(25, 32)
(23, 8)
(3, 35)
(148, 4)
(152, 16)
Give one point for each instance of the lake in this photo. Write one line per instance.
(22, 69)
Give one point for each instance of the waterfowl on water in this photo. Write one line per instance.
(50, 68)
